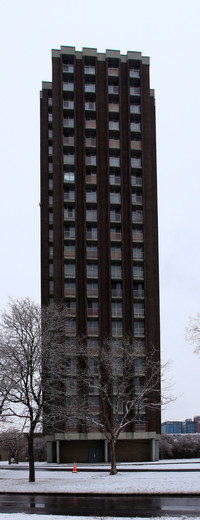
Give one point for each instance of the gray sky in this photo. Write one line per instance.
(168, 32)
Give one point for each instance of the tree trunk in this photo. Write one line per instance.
(113, 469)
(31, 457)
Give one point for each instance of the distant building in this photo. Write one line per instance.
(181, 427)
(99, 227)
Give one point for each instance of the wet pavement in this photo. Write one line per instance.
(101, 505)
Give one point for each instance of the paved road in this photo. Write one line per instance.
(131, 505)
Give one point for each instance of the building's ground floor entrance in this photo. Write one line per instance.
(94, 450)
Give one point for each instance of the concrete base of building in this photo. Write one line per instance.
(86, 448)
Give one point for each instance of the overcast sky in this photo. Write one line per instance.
(168, 32)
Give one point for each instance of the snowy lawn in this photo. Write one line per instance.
(149, 481)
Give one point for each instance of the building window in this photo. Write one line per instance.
(134, 72)
(117, 328)
(50, 217)
(116, 309)
(71, 306)
(90, 160)
(89, 69)
(50, 251)
(70, 288)
(116, 271)
(91, 214)
(113, 89)
(68, 122)
(94, 385)
(69, 269)
(115, 215)
(139, 384)
(92, 307)
(68, 86)
(69, 212)
(93, 326)
(90, 87)
(69, 194)
(136, 197)
(116, 251)
(92, 288)
(69, 231)
(135, 126)
(69, 158)
(139, 366)
(114, 124)
(51, 269)
(134, 90)
(90, 105)
(50, 234)
(138, 288)
(93, 365)
(115, 197)
(92, 270)
(91, 194)
(114, 178)
(71, 365)
(69, 250)
(137, 216)
(91, 232)
(68, 103)
(138, 253)
(138, 309)
(91, 177)
(114, 161)
(116, 289)
(51, 286)
(138, 271)
(69, 177)
(68, 67)
(137, 233)
(50, 184)
(91, 251)
(115, 233)
(135, 109)
(138, 328)
(136, 162)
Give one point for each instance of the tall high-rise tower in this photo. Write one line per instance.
(99, 228)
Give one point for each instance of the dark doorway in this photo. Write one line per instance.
(94, 455)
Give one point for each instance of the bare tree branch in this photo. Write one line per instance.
(114, 387)
(193, 333)
(31, 341)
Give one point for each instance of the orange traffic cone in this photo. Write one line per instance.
(74, 468)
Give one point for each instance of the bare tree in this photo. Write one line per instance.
(114, 388)
(10, 441)
(31, 338)
(193, 333)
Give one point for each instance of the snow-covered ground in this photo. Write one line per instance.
(65, 481)
(100, 481)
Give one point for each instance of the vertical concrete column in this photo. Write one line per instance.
(153, 449)
(49, 452)
(58, 452)
(105, 451)
(156, 450)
